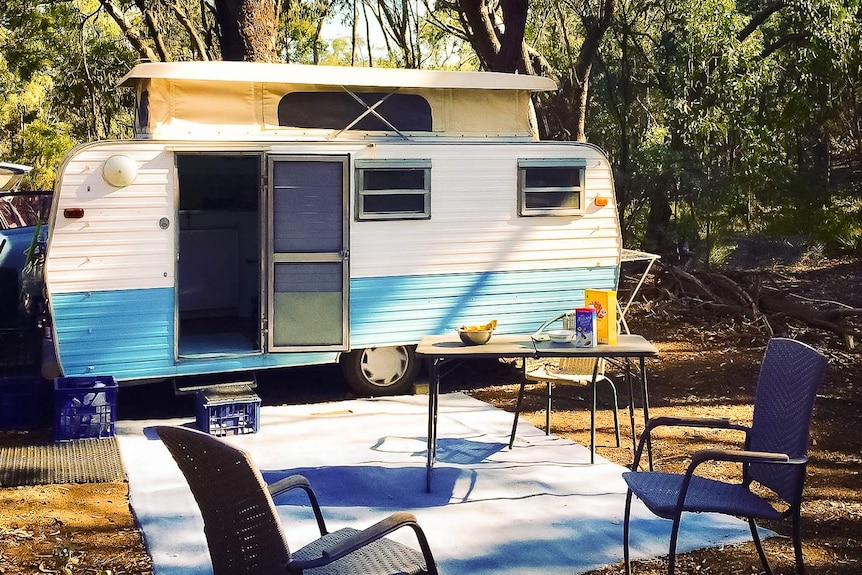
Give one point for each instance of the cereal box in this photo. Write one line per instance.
(585, 327)
(605, 303)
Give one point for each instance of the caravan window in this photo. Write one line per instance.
(338, 110)
(393, 189)
(551, 187)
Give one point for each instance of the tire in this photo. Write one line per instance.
(377, 371)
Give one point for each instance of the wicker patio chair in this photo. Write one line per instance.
(566, 372)
(774, 455)
(242, 527)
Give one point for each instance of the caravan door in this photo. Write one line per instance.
(308, 253)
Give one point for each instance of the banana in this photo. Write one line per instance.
(485, 327)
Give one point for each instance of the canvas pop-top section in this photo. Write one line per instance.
(245, 100)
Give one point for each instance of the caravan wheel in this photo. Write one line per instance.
(380, 370)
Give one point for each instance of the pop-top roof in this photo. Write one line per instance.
(222, 71)
(224, 100)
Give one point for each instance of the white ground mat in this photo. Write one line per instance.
(539, 508)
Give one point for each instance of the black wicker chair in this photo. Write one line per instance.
(774, 455)
(242, 527)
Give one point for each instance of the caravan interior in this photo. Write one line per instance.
(218, 267)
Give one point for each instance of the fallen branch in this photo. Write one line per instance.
(745, 295)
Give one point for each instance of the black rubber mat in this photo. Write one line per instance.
(78, 461)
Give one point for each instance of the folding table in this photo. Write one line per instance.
(442, 348)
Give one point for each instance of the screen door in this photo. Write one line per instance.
(308, 253)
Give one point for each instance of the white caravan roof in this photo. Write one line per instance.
(222, 71)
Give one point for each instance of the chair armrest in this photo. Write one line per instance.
(740, 456)
(299, 482)
(731, 455)
(707, 422)
(287, 483)
(547, 323)
(667, 421)
(362, 538)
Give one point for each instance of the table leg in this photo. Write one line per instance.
(520, 399)
(645, 399)
(593, 415)
(433, 400)
(628, 369)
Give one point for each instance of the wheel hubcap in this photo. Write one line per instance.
(384, 365)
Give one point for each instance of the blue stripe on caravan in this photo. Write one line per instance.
(401, 309)
(130, 334)
(111, 332)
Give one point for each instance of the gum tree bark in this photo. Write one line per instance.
(247, 29)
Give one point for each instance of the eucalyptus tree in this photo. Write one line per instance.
(735, 108)
(57, 61)
(512, 36)
(399, 21)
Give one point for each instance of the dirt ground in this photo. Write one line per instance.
(707, 367)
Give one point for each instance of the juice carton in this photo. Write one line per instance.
(605, 303)
(585, 327)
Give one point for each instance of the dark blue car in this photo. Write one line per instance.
(16, 238)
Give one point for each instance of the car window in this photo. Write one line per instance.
(10, 218)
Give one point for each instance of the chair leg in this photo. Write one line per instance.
(797, 541)
(616, 411)
(626, 521)
(517, 412)
(549, 390)
(674, 535)
(759, 546)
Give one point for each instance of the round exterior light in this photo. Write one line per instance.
(120, 171)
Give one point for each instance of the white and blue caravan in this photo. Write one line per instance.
(271, 215)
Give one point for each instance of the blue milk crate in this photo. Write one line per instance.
(232, 411)
(85, 407)
(22, 402)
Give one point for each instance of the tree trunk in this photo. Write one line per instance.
(248, 29)
(132, 35)
(658, 238)
(595, 26)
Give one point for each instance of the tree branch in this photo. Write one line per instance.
(198, 43)
(128, 30)
(782, 42)
(759, 18)
(152, 25)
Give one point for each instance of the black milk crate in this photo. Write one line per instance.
(228, 411)
(85, 407)
(22, 402)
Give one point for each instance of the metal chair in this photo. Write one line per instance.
(243, 530)
(774, 455)
(566, 371)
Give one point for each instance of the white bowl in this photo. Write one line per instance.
(561, 335)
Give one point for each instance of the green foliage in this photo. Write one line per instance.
(66, 560)
(65, 557)
(720, 124)
(840, 228)
(43, 148)
(59, 65)
(838, 225)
